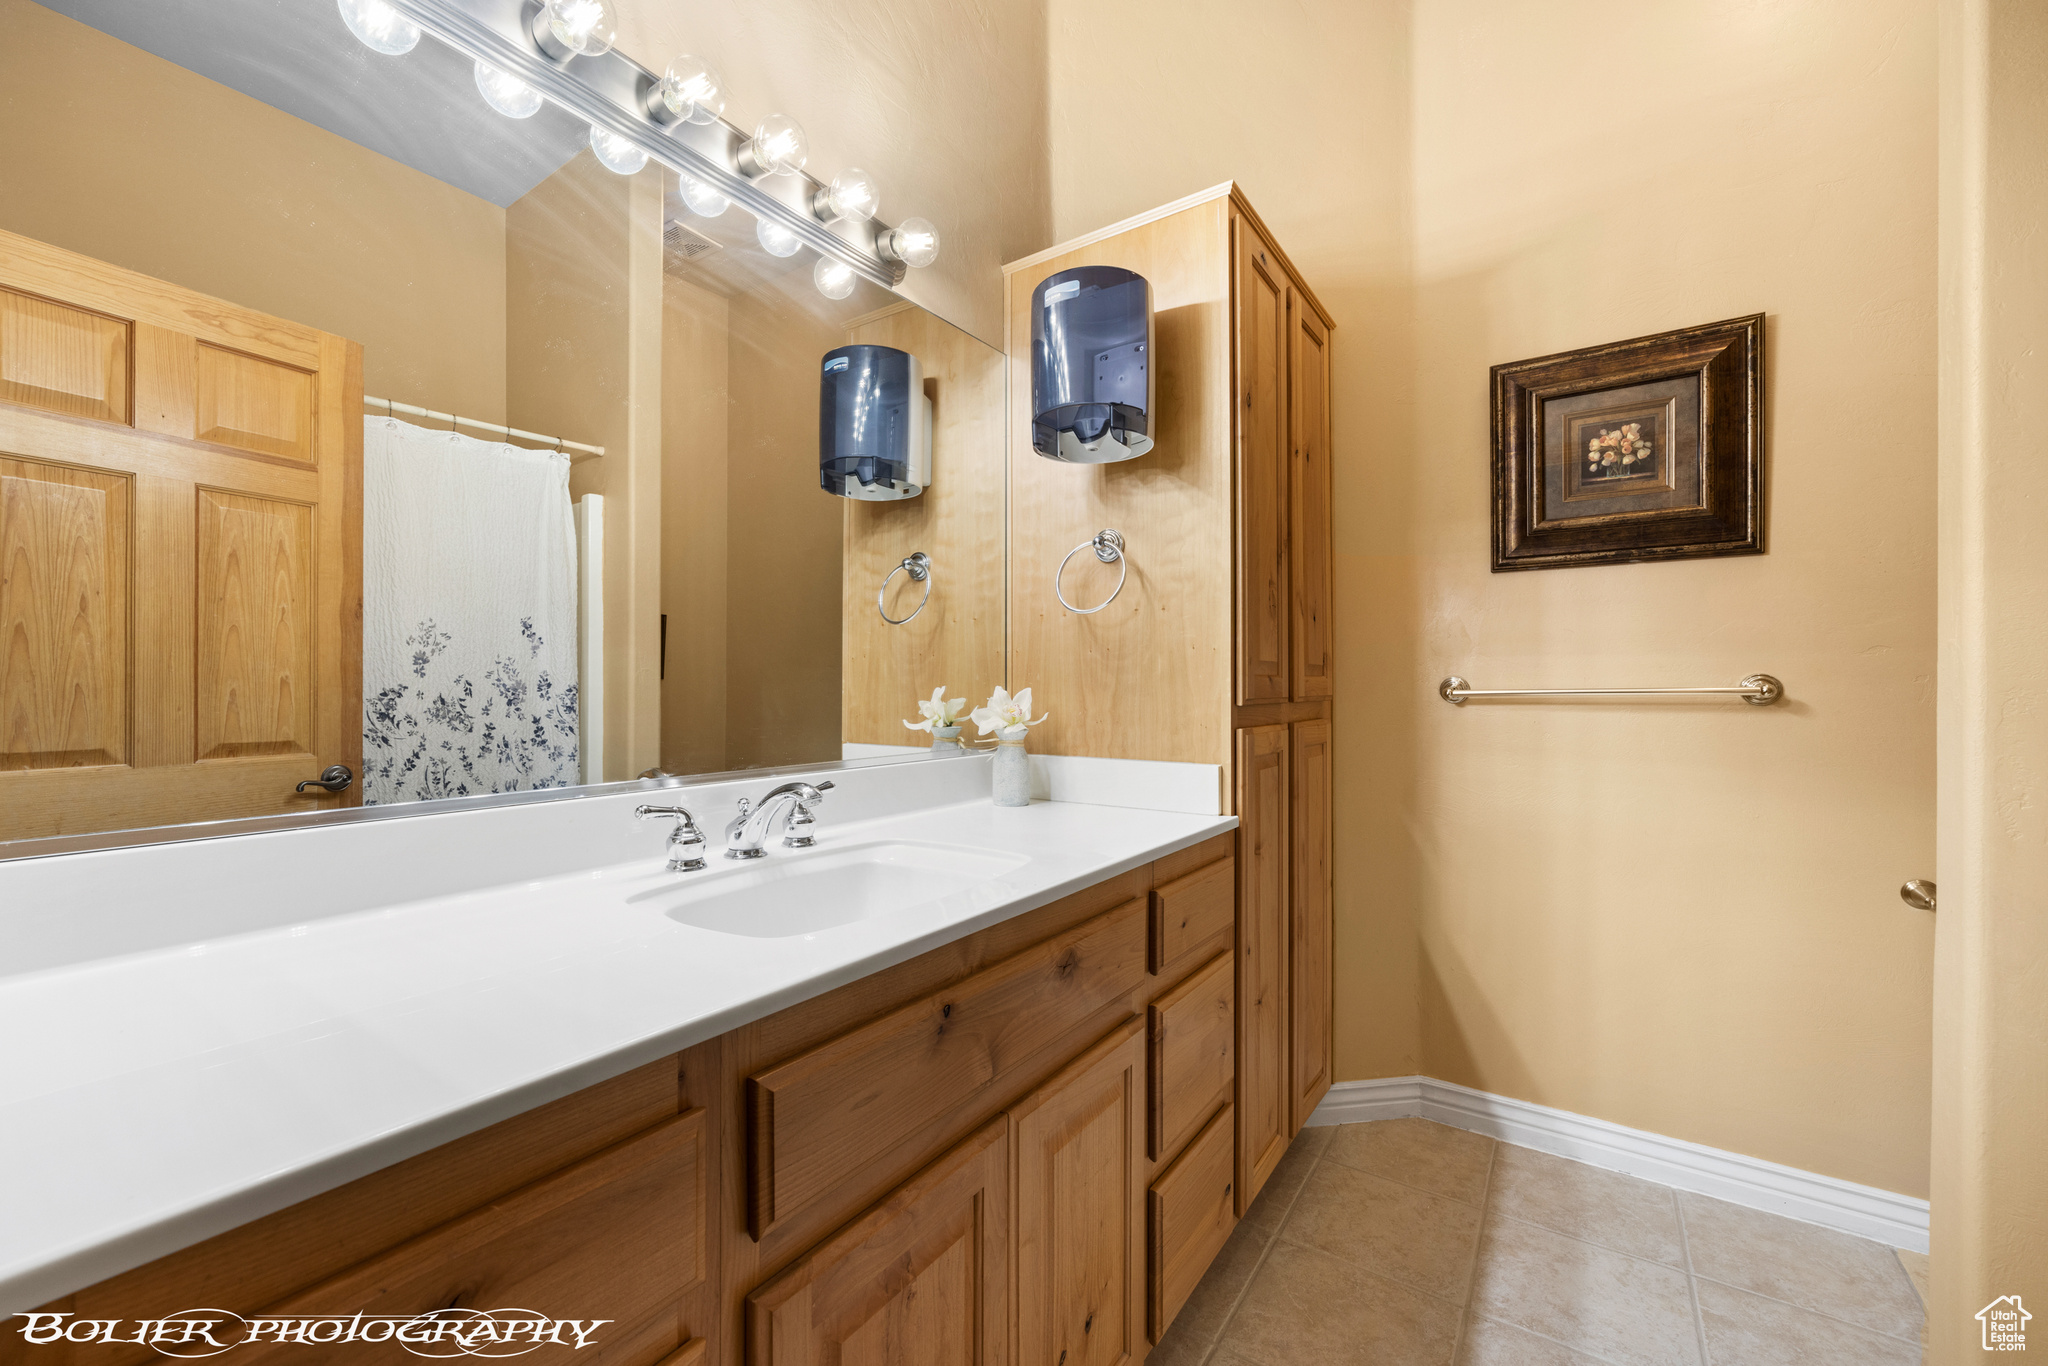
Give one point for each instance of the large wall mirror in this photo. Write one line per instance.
(287, 325)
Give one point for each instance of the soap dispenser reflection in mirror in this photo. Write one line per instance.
(874, 424)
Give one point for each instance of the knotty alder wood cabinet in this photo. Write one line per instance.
(1014, 1148)
(1218, 649)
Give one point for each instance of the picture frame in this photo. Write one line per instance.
(1646, 449)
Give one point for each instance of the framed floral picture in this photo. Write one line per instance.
(1650, 449)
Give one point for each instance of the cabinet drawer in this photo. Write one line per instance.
(1192, 916)
(817, 1120)
(618, 1236)
(1192, 1211)
(1193, 1054)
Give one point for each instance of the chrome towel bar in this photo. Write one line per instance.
(1759, 690)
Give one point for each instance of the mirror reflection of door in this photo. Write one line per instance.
(180, 552)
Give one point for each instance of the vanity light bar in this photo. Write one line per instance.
(611, 92)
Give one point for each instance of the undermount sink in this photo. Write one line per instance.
(787, 895)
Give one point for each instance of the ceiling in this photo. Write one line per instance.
(421, 109)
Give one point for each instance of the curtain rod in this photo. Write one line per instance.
(392, 409)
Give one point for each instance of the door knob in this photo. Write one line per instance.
(1919, 894)
(336, 778)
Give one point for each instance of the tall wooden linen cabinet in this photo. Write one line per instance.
(1217, 650)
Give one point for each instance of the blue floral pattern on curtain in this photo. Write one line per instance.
(446, 736)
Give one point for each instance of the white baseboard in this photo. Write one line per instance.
(1865, 1211)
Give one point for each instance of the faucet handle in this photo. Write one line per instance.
(685, 841)
(798, 834)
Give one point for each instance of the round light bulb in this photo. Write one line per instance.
(617, 153)
(914, 242)
(693, 90)
(852, 194)
(380, 27)
(702, 200)
(775, 239)
(587, 28)
(835, 278)
(507, 94)
(779, 147)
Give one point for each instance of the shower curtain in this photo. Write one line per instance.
(469, 616)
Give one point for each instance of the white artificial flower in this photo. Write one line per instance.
(938, 712)
(1003, 712)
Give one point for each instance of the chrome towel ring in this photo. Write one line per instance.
(1109, 548)
(919, 567)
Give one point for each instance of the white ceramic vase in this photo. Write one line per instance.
(946, 740)
(1012, 768)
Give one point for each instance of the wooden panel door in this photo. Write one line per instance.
(922, 1279)
(1078, 1146)
(1310, 554)
(1264, 1083)
(1309, 981)
(180, 552)
(1261, 351)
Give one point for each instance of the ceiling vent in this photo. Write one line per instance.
(681, 244)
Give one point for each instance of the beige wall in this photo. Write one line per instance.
(943, 102)
(695, 471)
(1991, 993)
(583, 343)
(784, 540)
(1684, 918)
(127, 158)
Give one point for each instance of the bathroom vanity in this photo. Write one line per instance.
(1015, 1142)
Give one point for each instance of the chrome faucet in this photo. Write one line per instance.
(685, 841)
(749, 830)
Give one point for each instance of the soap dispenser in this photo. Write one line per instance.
(1092, 376)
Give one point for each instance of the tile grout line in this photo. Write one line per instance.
(1692, 1279)
(1264, 1252)
(1406, 1186)
(1808, 1309)
(1472, 1262)
(1573, 1348)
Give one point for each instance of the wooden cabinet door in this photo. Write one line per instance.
(1264, 1082)
(1078, 1145)
(621, 1235)
(1260, 296)
(180, 552)
(1309, 964)
(922, 1279)
(1309, 532)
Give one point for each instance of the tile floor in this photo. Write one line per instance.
(1408, 1242)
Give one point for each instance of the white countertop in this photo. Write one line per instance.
(152, 1099)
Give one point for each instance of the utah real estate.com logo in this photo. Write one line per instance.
(2005, 1324)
